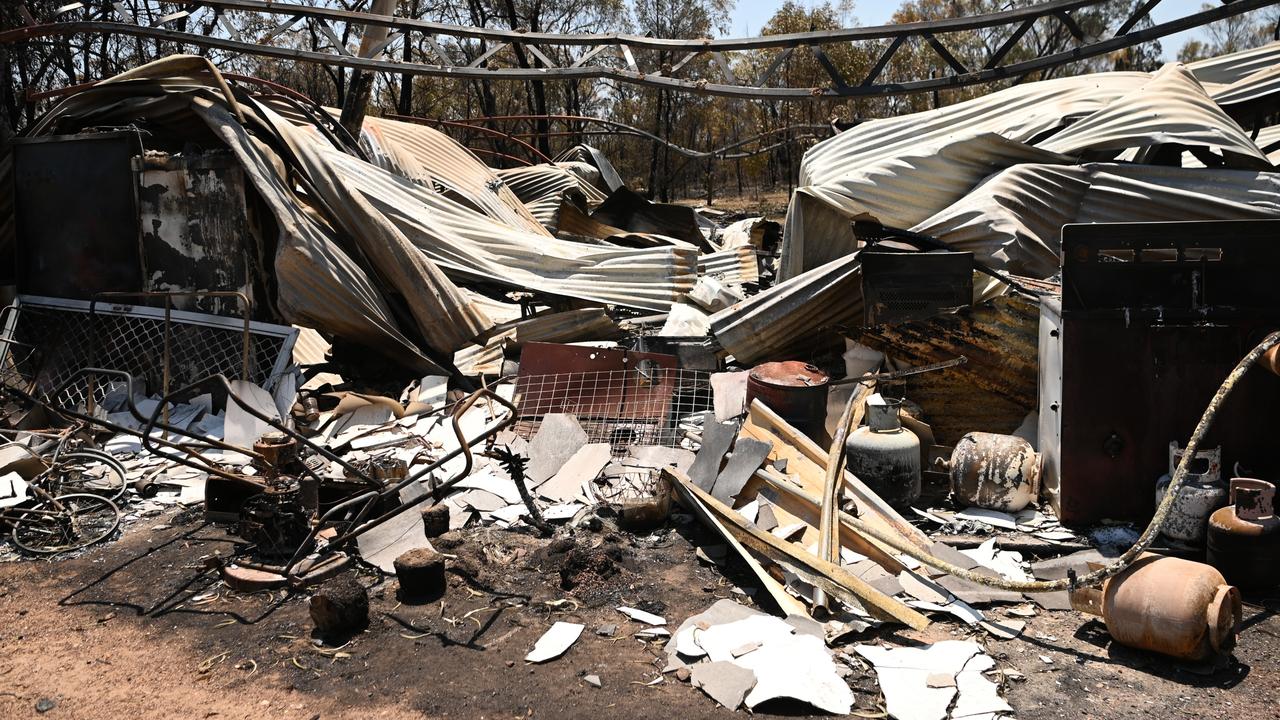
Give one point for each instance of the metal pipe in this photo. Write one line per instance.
(656, 78)
(372, 498)
(468, 126)
(464, 447)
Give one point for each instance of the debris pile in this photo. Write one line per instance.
(887, 416)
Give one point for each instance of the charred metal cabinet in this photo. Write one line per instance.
(76, 213)
(1153, 318)
(195, 228)
(95, 213)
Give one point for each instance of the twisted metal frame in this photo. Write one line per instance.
(660, 62)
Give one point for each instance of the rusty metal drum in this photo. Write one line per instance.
(795, 390)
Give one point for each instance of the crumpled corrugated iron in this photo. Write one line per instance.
(900, 171)
(544, 188)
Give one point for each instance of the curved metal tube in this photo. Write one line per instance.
(923, 30)
(145, 436)
(718, 153)
(275, 424)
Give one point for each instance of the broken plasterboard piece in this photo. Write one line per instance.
(1004, 629)
(554, 642)
(910, 677)
(558, 438)
(382, 544)
(729, 394)
(989, 517)
(784, 663)
(492, 481)
(979, 697)
(585, 464)
(716, 439)
(923, 589)
(797, 667)
(561, 512)
(721, 612)
(433, 390)
(657, 457)
(638, 615)
(748, 455)
(719, 641)
(1008, 564)
(240, 428)
(959, 608)
(725, 682)
(13, 490)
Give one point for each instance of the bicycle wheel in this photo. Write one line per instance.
(87, 472)
(66, 522)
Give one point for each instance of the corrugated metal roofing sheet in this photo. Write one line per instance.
(477, 247)
(1172, 107)
(797, 314)
(1014, 220)
(1257, 86)
(899, 171)
(1235, 66)
(542, 189)
(432, 158)
(737, 265)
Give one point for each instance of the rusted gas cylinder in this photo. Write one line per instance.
(996, 472)
(1168, 605)
(1202, 492)
(1244, 537)
(886, 456)
(795, 390)
(1271, 359)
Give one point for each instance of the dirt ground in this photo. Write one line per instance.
(771, 204)
(139, 628)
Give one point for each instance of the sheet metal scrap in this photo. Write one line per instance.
(997, 386)
(486, 357)
(630, 211)
(793, 315)
(737, 266)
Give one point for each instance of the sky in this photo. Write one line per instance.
(750, 15)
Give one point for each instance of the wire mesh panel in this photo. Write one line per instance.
(60, 337)
(641, 406)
